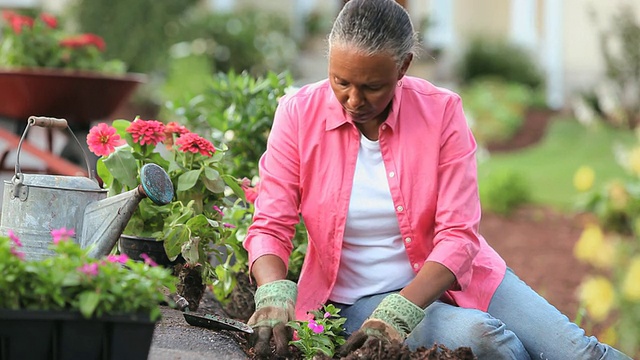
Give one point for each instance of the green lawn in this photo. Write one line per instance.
(550, 165)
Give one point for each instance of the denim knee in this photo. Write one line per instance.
(487, 337)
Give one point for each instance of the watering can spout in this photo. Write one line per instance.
(105, 220)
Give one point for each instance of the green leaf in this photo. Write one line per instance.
(122, 166)
(187, 180)
(233, 184)
(88, 302)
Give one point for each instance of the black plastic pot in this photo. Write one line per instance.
(64, 335)
(134, 246)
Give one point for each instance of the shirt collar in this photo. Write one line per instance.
(336, 116)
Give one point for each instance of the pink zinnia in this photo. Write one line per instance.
(195, 143)
(147, 131)
(315, 327)
(89, 269)
(103, 139)
(62, 234)
(17, 21)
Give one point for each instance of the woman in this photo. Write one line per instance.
(382, 168)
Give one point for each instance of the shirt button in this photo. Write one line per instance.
(400, 208)
(416, 266)
(384, 126)
(392, 174)
(407, 240)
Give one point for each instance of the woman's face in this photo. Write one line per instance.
(364, 84)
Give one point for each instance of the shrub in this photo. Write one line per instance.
(236, 110)
(251, 41)
(503, 191)
(495, 108)
(488, 57)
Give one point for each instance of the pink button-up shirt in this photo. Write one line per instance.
(429, 156)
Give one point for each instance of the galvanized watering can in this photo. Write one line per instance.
(35, 204)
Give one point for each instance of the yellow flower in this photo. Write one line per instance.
(598, 296)
(618, 195)
(584, 178)
(589, 244)
(631, 283)
(634, 160)
(609, 336)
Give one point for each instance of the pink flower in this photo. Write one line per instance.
(216, 208)
(327, 315)
(17, 253)
(230, 226)
(148, 260)
(62, 234)
(14, 238)
(315, 327)
(147, 131)
(295, 335)
(195, 143)
(16, 20)
(251, 193)
(102, 139)
(89, 269)
(122, 258)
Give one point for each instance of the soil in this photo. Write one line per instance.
(536, 242)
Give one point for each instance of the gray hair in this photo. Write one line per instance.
(374, 27)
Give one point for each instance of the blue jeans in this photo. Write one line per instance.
(519, 324)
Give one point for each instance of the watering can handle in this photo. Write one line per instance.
(49, 122)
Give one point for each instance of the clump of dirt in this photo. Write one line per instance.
(241, 302)
(381, 350)
(190, 285)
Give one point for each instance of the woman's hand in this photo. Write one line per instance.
(275, 307)
(393, 320)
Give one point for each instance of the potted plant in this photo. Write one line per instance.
(70, 305)
(46, 70)
(189, 227)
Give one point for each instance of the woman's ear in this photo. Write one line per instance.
(405, 65)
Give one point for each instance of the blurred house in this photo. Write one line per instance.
(562, 35)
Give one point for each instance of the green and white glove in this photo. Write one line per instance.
(275, 307)
(393, 320)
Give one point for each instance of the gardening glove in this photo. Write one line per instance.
(393, 320)
(275, 307)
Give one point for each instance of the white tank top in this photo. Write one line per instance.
(373, 256)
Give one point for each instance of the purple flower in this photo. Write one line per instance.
(89, 269)
(327, 315)
(315, 327)
(16, 253)
(230, 226)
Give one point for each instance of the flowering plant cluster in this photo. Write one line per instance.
(322, 333)
(611, 245)
(40, 42)
(71, 280)
(192, 222)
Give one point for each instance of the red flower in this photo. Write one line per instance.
(83, 40)
(17, 21)
(195, 143)
(50, 20)
(102, 139)
(147, 131)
